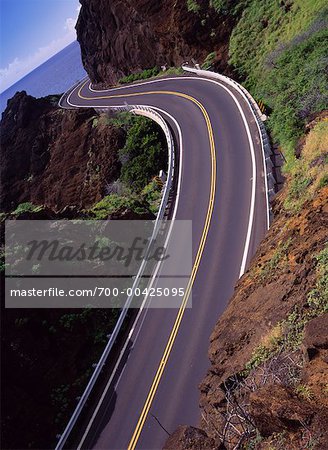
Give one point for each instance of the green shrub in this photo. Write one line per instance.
(259, 355)
(323, 181)
(209, 60)
(152, 195)
(122, 120)
(144, 154)
(26, 207)
(220, 6)
(147, 73)
(113, 203)
(193, 6)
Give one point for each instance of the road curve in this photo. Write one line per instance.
(222, 190)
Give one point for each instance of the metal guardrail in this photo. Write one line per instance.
(232, 83)
(259, 118)
(152, 114)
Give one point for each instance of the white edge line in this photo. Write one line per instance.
(240, 89)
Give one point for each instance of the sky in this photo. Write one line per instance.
(31, 31)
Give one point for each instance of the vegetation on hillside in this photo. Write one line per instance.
(26, 207)
(287, 335)
(149, 73)
(143, 156)
(280, 50)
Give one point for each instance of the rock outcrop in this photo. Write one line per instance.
(118, 37)
(54, 157)
(189, 438)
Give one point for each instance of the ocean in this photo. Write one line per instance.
(54, 76)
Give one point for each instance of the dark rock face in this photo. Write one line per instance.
(190, 438)
(122, 36)
(274, 409)
(53, 157)
(315, 337)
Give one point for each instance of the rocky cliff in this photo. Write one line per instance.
(118, 37)
(54, 157)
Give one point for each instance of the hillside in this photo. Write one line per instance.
(267, 384)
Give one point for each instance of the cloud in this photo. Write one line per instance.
(18, 68)
(71, 22)
(70, 25)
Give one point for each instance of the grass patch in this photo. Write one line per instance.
(308, 174)
(267, 26)
(304, 392)
(278, 259)
(209, 60)
(150, 73)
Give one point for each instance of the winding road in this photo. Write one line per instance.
(222, 191)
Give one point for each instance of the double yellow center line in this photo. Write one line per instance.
(168, 348)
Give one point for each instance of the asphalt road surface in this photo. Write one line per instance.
(222, 191)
